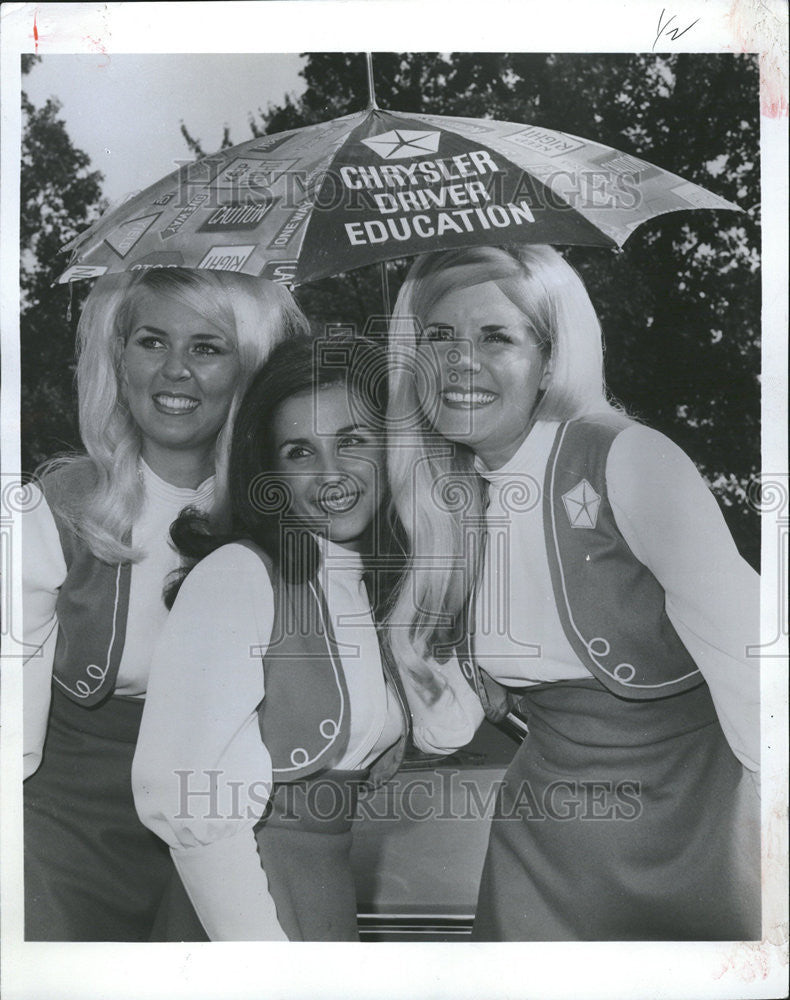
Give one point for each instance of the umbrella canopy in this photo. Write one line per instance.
(377, 185)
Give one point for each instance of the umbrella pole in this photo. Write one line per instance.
(385, 285)
(385, 288)
(372, 106)
(371, 89)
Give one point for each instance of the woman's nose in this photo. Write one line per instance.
(334, 469)
(326, 466)
(461, 356)
(176, 366)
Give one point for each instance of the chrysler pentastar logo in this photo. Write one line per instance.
(581, 505)
(400, 144)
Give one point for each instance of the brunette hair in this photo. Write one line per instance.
(259, 497)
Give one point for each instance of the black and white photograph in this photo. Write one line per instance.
(394, 500)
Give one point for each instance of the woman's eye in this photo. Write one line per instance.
(350, 441)
(207, 349)
(497, 337)
(149, 342)
(439, 332)
(297, 451)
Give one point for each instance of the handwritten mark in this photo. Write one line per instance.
(35, 28)
(673, 33)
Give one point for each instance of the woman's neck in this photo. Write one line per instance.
(185, 469)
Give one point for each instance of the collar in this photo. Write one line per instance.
(156, 486)
(339, 558)
(529, 451)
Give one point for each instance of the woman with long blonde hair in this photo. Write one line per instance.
(582, 570)
(164, 356)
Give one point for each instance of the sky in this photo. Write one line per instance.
(125, 111)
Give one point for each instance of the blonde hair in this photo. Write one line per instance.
(435, 489)
(255, 313)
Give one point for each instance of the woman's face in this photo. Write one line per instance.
(179, 373)
(333, 463)
(480, 371)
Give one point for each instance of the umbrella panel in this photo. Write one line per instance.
(396, 189)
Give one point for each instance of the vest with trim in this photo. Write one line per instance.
(306, 705)
(304, 717)
(92, 603)
(612, 608)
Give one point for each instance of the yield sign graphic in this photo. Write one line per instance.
(400, 144)
(128, 234)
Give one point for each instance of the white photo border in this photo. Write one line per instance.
(603, 969)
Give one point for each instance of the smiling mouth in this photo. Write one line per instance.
(456, 399)
(178, 406)
(337, 501)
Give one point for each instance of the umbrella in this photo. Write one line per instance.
(377, 185)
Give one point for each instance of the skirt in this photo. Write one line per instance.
(304, 843)
(621, 820)
(93, 872)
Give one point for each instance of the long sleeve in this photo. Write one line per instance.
(453, 719)
(672, 523)
(201, 773)
(43, 572)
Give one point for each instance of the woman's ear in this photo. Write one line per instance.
(545, 378)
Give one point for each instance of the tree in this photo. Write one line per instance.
(680, 307)
(59, 196)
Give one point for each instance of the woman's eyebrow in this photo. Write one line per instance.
(205, 334)
(355, 428)
(150, 329)
(288, 441)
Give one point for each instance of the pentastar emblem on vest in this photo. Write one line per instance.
(581, 505)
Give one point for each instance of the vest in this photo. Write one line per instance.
(304, 717)
(612, 608)
(92, 603)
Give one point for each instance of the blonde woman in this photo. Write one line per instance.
(164, 358)
(601, 596)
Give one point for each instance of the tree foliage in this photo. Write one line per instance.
(59, 196)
